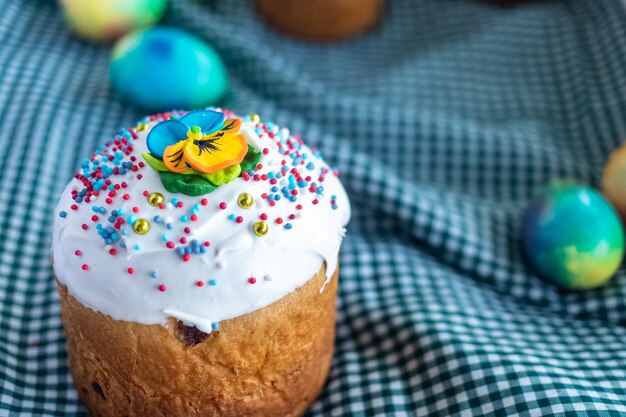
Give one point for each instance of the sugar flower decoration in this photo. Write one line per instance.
(201, 141)
(199, 152)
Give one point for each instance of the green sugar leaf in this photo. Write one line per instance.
(251, 159)
(154, 163)
(192, 185)
(224, 176)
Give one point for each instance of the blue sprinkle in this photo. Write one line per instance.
(215, 326)
(184, 218)
(276, 197)
(196, 249)
(274, 189)
(63, 214)
(232, 217)
(181, 251)
(333, 197)
(194, 242)
(164, 237)
(188, 250)
(293, 198)
(174, 201)
(203, 249)
(170, 226)
(213, 282)
(288, 226)
(137, 247)
(154, 274)
(310, 166)
(131, 219)
(157, 219)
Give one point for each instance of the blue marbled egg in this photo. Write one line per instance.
(573, 236)
(165, 68)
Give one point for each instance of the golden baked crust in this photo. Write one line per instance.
(271, 362)
(321, 20)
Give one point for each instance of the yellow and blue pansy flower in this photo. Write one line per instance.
(201, 140)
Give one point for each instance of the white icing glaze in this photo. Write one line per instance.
(281, 261)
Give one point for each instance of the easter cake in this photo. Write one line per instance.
(196, 256)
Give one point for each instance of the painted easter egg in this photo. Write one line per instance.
(164, 68)
(614, 180)
(109, 19)
(573, 236)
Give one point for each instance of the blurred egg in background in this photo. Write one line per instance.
(105, 20)
(572, 235)
(614, 180)
(164, 68)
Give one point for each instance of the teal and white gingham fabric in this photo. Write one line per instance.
(444, 121)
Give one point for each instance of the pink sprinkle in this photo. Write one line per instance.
(193, 217)
(259, 167)
(186, 257)
(187, 230)
(77, 252)
(279, 220)
(199, 283)
(126, 196)
(223, 205)
(207, 243)
(131, 271)
(263, 216)
(292, 216)
(146, 193)
(239, 219)
(170, 245)
(315, 201)
(162, 288)
(266, 151)
(85, 267)
(74, 207)
(179, 204)
(299, 206)
(183, 240)
(112, 251)
(252, 280)
(204, 201)
(135, 209)
(84, 226)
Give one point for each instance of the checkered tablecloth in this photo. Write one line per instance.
(444, 121)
